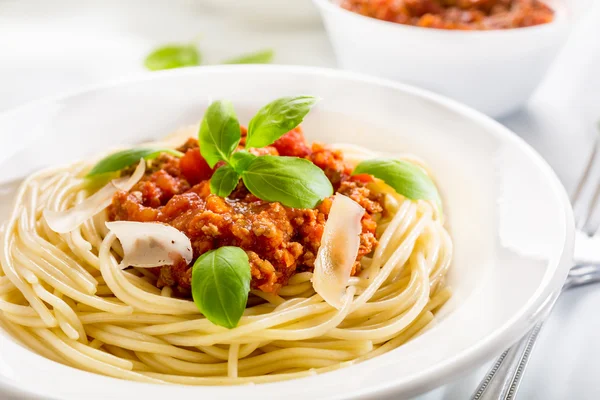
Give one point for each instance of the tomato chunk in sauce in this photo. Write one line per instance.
(455, 14)
(278, 240)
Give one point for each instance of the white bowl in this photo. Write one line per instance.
(492, 71)
(273, 12)
(509, 216)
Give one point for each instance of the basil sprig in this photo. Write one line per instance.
(173, 56)
(292, 181)
(278, 118)
(240, 160)
(407, 179)
(220, 285)
(187, 55)
(123, 159)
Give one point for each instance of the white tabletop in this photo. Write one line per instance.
(48, 47)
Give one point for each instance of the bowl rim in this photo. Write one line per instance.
(485, 348)
(561, 16)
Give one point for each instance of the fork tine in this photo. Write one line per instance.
(590, 224)
(586, 172)
(582, 215)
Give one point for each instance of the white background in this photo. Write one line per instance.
(47, 47)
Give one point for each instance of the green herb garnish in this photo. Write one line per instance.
(223, 181)
(407, 179)
(278, 118)
(292, 181)
(123, 159)
(187, 55)
(220, 285)
(219, 132)
(173, 56)
(240, 160)
(260, 57)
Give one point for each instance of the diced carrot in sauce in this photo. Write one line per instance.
(364, 178)
(194, 167)
(292, 144)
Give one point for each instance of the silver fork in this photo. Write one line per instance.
(503, 379)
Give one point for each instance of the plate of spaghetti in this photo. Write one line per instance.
(296, 230)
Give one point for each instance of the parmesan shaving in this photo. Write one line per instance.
(338, 250)
(151, 244)
(69, 220)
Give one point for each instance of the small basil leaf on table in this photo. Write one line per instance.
(219, 132)
(220, 285)
(241, 159)
(223, 181)
(294, 182)
(173, 56)
(278, 118)
(123, 159)
(260, 57)
(407, 179)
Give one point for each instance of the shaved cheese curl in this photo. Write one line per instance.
(151, 244)
(338, 250)
(69, 220)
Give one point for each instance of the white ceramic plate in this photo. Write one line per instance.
(508, 214)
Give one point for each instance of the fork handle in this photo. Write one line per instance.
(504, 378)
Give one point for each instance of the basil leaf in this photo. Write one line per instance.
(260, 57)
(294, 182)
(223, 181)
(241, 159)
(278, 118)
(219, 132)
(173, 56)
(220, 285)
(122, 159)
(404, 177)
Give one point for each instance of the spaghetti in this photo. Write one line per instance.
(65, 297)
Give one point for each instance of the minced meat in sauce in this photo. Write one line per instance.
(278, 240)
(455, 14)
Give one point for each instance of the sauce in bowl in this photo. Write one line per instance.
(455, 14)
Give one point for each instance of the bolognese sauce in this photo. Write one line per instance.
(455, 14)
(278, 240)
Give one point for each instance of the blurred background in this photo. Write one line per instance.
(57, 45)
(52, 46)
(48, 47)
